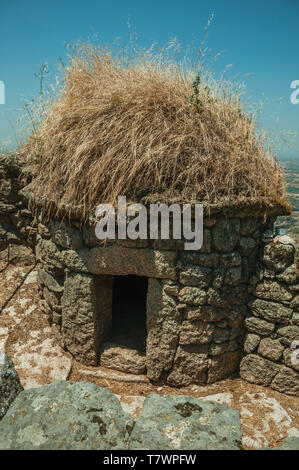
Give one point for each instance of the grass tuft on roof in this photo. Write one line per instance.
(152, 129)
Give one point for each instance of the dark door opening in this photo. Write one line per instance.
(128, 327)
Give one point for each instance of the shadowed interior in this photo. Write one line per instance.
(128, 326)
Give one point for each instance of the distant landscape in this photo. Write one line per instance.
(291, 224)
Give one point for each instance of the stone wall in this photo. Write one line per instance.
(273, 323)
(196, 301)
(17, 232)
(236, 299)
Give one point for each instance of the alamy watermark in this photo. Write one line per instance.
(2, 92)
(295, 94)
(138, 222)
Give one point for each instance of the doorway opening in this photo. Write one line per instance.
(128, 326)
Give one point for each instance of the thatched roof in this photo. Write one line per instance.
(149, 133)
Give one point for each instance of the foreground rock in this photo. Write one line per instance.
(10, 385)
(183, 422)
(65, 415)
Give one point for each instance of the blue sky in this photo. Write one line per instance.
(259, 38)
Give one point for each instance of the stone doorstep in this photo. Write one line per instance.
(124, 359)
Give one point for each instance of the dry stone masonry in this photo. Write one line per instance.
(17, 231)
(196, 301)
(273, 323)
(151, 307)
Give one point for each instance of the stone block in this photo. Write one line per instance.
(258, 370)
(225, 234)
(271, 349)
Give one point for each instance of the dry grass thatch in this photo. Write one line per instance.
(147, 131)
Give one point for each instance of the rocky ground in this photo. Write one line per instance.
(267, 416)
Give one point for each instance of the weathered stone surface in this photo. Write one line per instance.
(291, 358)
(89, 236)
(12, 236)
(192, 296)
(56, 318)
(227, 296)
(221, 335)
(248, 266)
(159, 244)
(65, 235)
(235, 315)
(278, 256)
(206, 313)
(237, 333)
(290, 275)
(272, 311)
(247, 244)
(219, 275)
(76, 260)
(119, 260)
(226, 234)
(189, 366)
(43, 230)
(53, 299)
(271, 290)
(257, 370)
(233, 276)
(217, 298)
(284, 240)
(259, 326)
(221, 348)
(10, 385)
(248, 226)
(295, 318)
(47, 252)
(65, 416)
(295, 303)
(267, 274)
(288, 334)
(286, 381)
(181, 422)
(271, 349)
(195, 276)
(207, 260)
(86, 314)
(113, 356)
(163, 323)
(229, 260)
(197, 332)
(45, 308)
(172, 290)
(6, 208)
(223, 366)
(21, 255)
(208, 222)
(55, 285)
(5, 187)
(251, 343)
(236, 295)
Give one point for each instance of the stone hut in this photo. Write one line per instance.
(149, 306)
